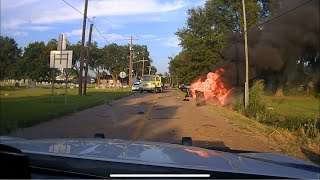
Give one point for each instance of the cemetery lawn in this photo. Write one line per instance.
(23, 107)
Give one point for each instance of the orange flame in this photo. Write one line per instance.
(212, 87)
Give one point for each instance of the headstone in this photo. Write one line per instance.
(32, 84)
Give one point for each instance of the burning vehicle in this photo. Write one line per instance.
(210, 88)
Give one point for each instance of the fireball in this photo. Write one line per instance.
(212, 88)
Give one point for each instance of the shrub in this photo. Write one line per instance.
(239, 106)
(256, 107)
(302, 124)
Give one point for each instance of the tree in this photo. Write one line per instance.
(96, 61)
(76, 48)
(9, 55)
(18, 70)
(140, 52)
(36, 57)
(153, 70)
(115, 59)
(203, 40)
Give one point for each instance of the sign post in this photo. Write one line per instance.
(122, 75)
(65, 93)
(53, 73)
(61, 58)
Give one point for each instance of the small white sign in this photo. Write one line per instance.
(58, 60)
(122, 74)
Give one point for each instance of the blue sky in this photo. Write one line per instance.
(153, 22)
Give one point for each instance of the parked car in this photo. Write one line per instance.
(135, 86)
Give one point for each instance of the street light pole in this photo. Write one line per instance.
(246, 86)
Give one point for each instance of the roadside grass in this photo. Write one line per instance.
(279, 139)
(24, 107)
(294, 105)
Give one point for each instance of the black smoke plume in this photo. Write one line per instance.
(276, 45)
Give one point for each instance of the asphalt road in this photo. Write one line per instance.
(162, 117)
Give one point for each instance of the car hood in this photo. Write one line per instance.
(168, 155)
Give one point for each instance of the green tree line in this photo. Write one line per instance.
(32, 62)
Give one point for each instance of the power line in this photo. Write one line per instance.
(73, 7)
(101, 34)
(276, 17)
(88, 20)
(285, 13)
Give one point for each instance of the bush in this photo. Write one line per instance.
(272, 118)
(302, 124)
(256, 107)
(239, 106)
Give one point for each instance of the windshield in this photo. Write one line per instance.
(227, 75)
(148, 78)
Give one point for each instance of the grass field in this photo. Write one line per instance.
(23, 107)
(294, 105)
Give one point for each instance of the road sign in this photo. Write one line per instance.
(122, 75)
(58, 60)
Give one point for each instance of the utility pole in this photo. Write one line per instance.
(87, 62)
(246, 86)
(130, 62)
(143, 60)
(82, 45)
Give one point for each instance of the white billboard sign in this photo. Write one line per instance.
(58, 60)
